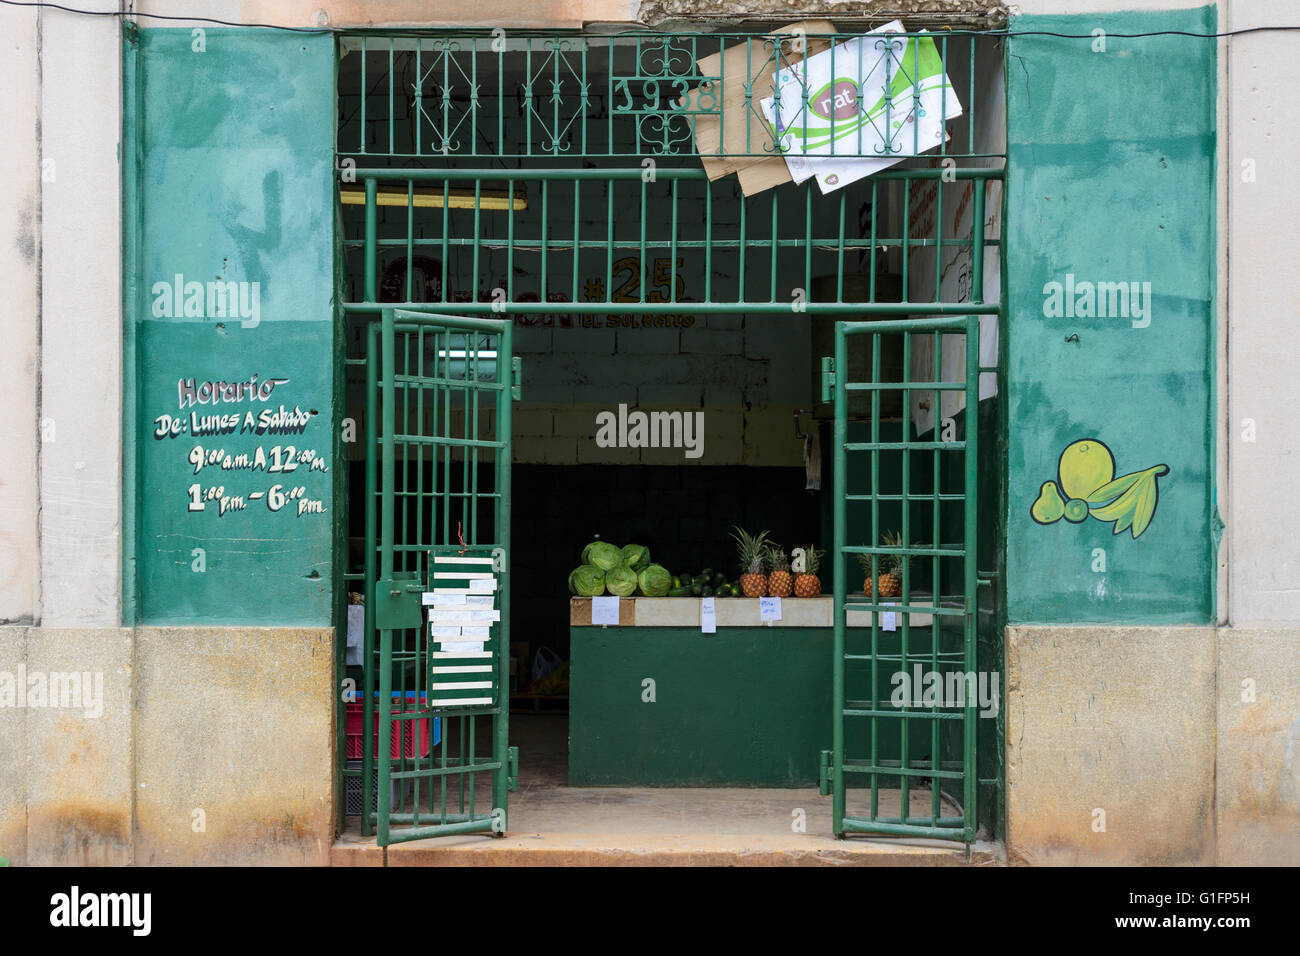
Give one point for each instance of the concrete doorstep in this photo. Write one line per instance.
(640, 826)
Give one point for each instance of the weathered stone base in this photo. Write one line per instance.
(215, 746)
(1144, 745)
(1257, 785)
(200, 746)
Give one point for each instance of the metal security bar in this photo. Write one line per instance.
(672, 246)
(509, 94)
(906, 746)
(439, 391)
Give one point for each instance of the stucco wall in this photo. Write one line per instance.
(20, 252)
(81, 331)
(60, 480)
(1263, 513)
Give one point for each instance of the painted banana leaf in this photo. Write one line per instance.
(1129, 501)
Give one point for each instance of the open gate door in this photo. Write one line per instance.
(903, 757)
(437, 759)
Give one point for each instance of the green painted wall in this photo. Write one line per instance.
(1111, 160)
(230, 149)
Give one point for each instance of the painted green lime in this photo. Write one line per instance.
(1076, 509)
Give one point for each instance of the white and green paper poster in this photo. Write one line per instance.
(861, 106)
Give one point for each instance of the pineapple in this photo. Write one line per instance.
(890, 582)
(780, 582)
(751, 550)
(808, 584)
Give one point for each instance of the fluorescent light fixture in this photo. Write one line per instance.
(431, 197)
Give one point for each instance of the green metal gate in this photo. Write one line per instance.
(884, 645)
(439, 392)
(564, 188)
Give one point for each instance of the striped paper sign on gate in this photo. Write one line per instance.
(464, 642)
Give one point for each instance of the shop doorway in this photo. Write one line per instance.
(552, 183)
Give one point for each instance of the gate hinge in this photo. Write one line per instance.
(824, 774)
(516, 378)
(512, 769)
(828, 378)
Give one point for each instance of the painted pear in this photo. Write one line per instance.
(1049, 508)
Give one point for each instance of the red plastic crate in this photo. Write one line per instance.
(403, 734)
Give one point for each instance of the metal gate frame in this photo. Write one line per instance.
(393, 595)
(713, 246)
(840, 763)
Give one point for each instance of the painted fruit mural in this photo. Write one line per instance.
(1086, 486)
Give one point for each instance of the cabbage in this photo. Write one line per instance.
(620, 580)
(588, 580)
(655, 581)
(573, 588)
(603, 555)
(636, 556)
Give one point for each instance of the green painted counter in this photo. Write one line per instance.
(747, 706)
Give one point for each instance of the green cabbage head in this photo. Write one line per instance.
(621, 580)
(603, 555)
(655, 581)
(588, 581)
(636, 556)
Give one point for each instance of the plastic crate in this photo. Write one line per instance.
(403, 742)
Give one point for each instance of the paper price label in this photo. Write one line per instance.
(708, 616)
(604, 611)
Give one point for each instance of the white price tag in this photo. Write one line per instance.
(604, 610)
(429, 598)
(769, 609)
(708, 617)
(888, 619)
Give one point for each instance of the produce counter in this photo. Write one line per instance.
(749, 705)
